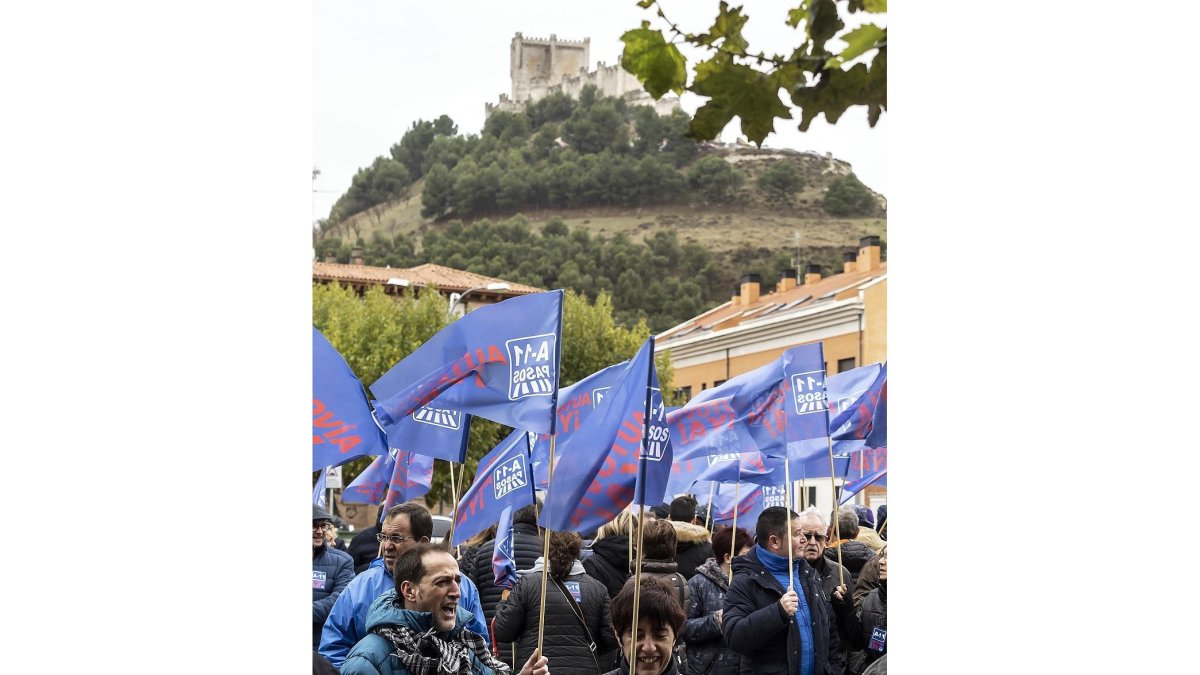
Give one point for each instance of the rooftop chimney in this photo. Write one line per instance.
(356, 257)
(868, 254)
(331, 258)
(812, 274)
(787, 280)
(749, 290)
(848, 261)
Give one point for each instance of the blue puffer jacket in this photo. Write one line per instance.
(373, 655)
(332, 572)
(706, 648)
(347, 622)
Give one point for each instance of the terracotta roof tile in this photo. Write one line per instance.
(445, 278)
(808, 295)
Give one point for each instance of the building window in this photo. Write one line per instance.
(719, 383)
(684, 392)
(845, 364)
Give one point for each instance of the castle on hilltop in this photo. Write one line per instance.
(539, 67)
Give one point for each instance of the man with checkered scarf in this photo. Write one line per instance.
(417, 628)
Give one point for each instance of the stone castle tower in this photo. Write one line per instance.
(539, 67)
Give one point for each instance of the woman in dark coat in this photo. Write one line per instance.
(706, 648)
(572, 642)
(865, 628)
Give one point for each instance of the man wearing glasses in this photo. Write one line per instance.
(815, 530)
(404, 526)
(776, 615)
(332, 572)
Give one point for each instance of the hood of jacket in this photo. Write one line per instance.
(576, 568)
(713, 572)
(614, 550)
(385, 611)
(660, 566)
(687, 533)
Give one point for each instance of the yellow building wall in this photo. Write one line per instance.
(706, 375)
(875, 323)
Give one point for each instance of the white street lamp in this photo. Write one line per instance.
(455, 298)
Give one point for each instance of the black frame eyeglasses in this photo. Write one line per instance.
(396, 539)
(815, 536)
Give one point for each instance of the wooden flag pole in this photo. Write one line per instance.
(837, 533)
(637, 584)
(712, 487)
(787, 491)
(883, 525)
(733, 541)
(453, 496)
(545, 557)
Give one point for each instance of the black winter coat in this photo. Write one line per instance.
(827, 571)
(364, 548)
(855, 554)
(609, 563)
(527, 548)
(707, 652)
(856, 627)
(565, 642)
(753, 621)
(692, 548)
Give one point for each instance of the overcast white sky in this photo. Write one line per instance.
(380, 65)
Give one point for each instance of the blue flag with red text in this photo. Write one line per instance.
(751, 500)
(499, 362)
(502, 480)
(606, 466)
(504, 568)
(343, 427)
(855, 419)
(877, 438)
(575, 405)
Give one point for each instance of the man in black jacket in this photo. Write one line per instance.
(528, 546)
(779, 620)
(693, 544)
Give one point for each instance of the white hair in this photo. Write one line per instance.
(814, 513)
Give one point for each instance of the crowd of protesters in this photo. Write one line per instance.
(722, 602)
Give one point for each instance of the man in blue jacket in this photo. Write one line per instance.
(404, 526)
(418, 628)
(332, 572)
(766, 602)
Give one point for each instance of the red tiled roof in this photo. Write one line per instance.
(445, 278)
(846, 285)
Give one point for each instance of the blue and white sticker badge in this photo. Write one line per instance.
(318, 580)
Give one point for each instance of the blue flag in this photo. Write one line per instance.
(575, 405)
(504, 569)
(499, 362)
(343, 427)
(854, 419)
(600, 470)
(877, 438)
(433, 431)
(319, 493)
(396, 477)
(808, 409)
(855, 486)
(846, 391)
(751, 500)
(502, 480)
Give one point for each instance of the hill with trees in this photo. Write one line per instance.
(598, 196)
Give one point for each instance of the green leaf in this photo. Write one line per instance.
(836, 91)
(875, 6)
(645, 4)
(858, 42)
(657, 64)
(823, 23)
(727, 27)
(795, 16)
(736, 90)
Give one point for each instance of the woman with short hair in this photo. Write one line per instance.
(658, 624)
